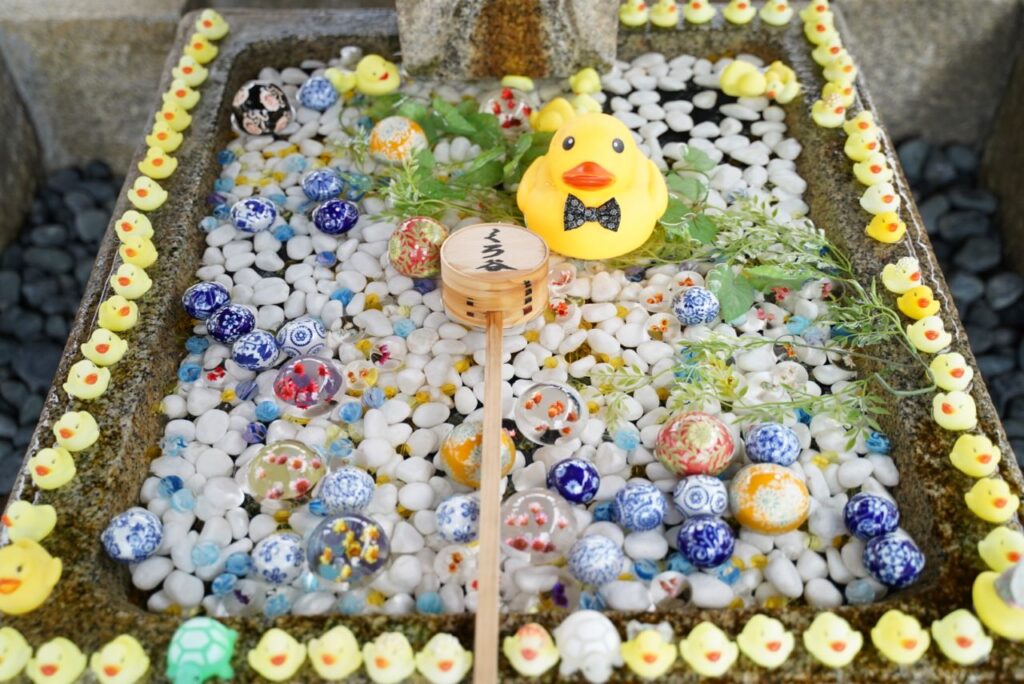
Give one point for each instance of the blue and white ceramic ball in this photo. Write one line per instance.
(304, 336)
(696, 306)
(317, 93)
(335, 216)
(346, 490)
(575, 479)
(255, 351)
(706, 541)
(132, 536)
(700, 495)
(640, 506)
(458, 519)
(202, 299)
(322, 184)
(253, 214)
(869, 515)
(772, 443)
(278, 559)
(230, 322)
(894, 560)
(595, 559)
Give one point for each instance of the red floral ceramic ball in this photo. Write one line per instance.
(694, 443)
(415, 247)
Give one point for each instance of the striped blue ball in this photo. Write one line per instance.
(595, 559)
(706, 541)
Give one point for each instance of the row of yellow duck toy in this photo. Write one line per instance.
(28, 573)
(666, 13)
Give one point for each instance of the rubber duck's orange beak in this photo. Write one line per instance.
(48, 670)
(588, 176)
(773, 646)
(964, 642)
(278, 659)
(1013, 556)
(838, 646)
(102, 348)
(713, 656)
(528, 653)
(909, 643)
(66, 434)
(381, 663)
(9, 585)
(984, 458)
(327, 658)
(445, 665)
(957, 372)
(6, 520)
(384, 76)
(42, 471)
(650, 657)
(111, 670)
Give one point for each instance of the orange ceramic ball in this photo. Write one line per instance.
(396, 139)
(769, 499)
(462, 451)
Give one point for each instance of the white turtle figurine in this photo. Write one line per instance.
(588, 642)
(200, 649)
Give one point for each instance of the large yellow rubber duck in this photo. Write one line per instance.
(708, 650)
(880, 198)
(117, 314)
(553, 115)
(14, 653)
(917, 302)
(531, 651)
(443, 660)
(739, 12)
(173, 116)
(859, 146)
(828, 112)
(650, 652)
(974, 455)
(146, 194)
(634, 13)
(201, 49)
(776, 12)
(133, 224)
(929, 335)
(181, 94)
(212, 25)
(58, 661)
(138, 251)
(900, 637)
(955, 410)
(335, 655)
(389, 658)
(902, 275)
(991, 500)
(951, 372)
(277, 656)
(873, 170)
(886, 227)
(593, 195)
(665, 14)
(699, 12)
(122, 660)
(999, 601)
(189, 71)
(766, 641)
(158, 164)
(86, 380)
(1001, 548)
(742, 79)
(130, 281)
(51, 468)
(104, 348)
(25, 520)
(961, 638)
(781, 84)
(76, 430)
(376, 76)
(27, 576)
(832, 641)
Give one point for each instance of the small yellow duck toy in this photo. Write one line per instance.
(443, 660)
(180, 94)
(157, 164)
(104, 348)
(277, 656)
(900, 637)
(130, 281)
(122, 660)
(51, 468)
(520, 82)
(76, 430)
(765, 641)
(961, 638)
(585, 104)
(201, 49)
(841, 69)
(117, 314)
(176, 118)
(27, 576)
(742, 79)
(634, 13)
(708, 650)
(863, 123)
(859, 146)
(138, 251)
(342, 80)
(815, 11)
(553, 115)
(133, 224)
(1001, 548)
(531, 650)
(955, 410)
(146, 194)
(699, 12)
(189, 71)
(776, 12)
(840, 92)
(335, 655)
(164, 137)
(739, 12)
(25, 520)
(951, 372)
(820, 30)
(918, 302)
(902, 275)
(886, 227)
(211, 25)
(828, 112)
(991, 500)
(999, 601)
(585, 82)
(14, 653)
(974, 455)
(832, 641)
(873, 170)
(665, 14)
(781, 84)
(583, 209)
(880, 198)
(650, 651)
(827, 51)
(58, 661)
(86, 380)
(929, 335)
(376, 76)
(388, 658)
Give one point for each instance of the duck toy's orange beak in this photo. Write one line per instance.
(588, 176)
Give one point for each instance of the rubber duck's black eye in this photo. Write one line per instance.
(568, 143)
(618, 145)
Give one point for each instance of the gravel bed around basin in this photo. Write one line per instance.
(428, 378)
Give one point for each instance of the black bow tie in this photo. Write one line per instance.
(576, 214)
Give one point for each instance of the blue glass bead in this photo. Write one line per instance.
(267, 411)
(727, 572)
(205, 553)
(894, 560)
(429, 603)
(344, 295)
(860, 592)
(700, 495)
(209, 224)
(627, 438)
(605, 512)
(635, 274)
(223, 184)
(294, 163)
(869, 515)
(132, 536)
(238, 564)
(772, 443)
(326, 259)
(254, 433)
(797, 324)
(276, 605)
(253, 214)
(183, 500)
(202, 299)
(283, 233)
(640, 506)
(230, 322)
(403, 327)
(340, 448)
(677, 563)
(246, 390)
(168, 485)
(803, 416)
(224, 583)
(705, 541)
(215, 199)
(352, 604)
(222, 212)
(189, 372)
(592, 601)
(173, 446)
(346, 490)
(196, 344)
(225, 157)
(335, 217)
(424, 285)
(595, 559)
(374, 397)
(877, 443)
(317, 507)
(695, 306)
(645, 569)
(575, 479)
(320, 185)
(350, 412)
(356, 185)
(815, 336)
(458, 519)
(365, 123)
(309, 582)
(255, 351)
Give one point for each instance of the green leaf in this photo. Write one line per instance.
(766, 276)
(675, 213)
(486, 170)
(384, 106)
(703, 229)
(523, 152)
(451, 120)
(488, 130)
(697, 159)
(688, 187)
(735, 293)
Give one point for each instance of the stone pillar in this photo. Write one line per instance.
(20, 164)
(1003, 165)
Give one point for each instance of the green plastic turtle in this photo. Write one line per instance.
(200, 649)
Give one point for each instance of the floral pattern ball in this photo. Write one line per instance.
(868, 516)
(458, 519)
(772, 443)
(894, 560)
(304, 336)
(278, 558)
(261, 108)
(132, 536)
(700, 495)
(317, 93)
(414, 249)
(575, 479)
(706, 541)
(595, 559)
(696, 306)
(253, 214)
(255, 351)
(347, 490)
(640, 506)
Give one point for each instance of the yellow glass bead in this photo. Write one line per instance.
(663, 393)
(364, 346)
(228, 396)
(422, 397)
(462, 365)
(759, 561)
(390, 391)
(820, 461)
(375, 598)
(775, 602)
(281, 517)
(621, 311)
(593, 406)
(736, 603)
(617, 362)
(531, 335)
(448, 388)
(372, 301)
(551, 362)
(241, 180)
(382, 479)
